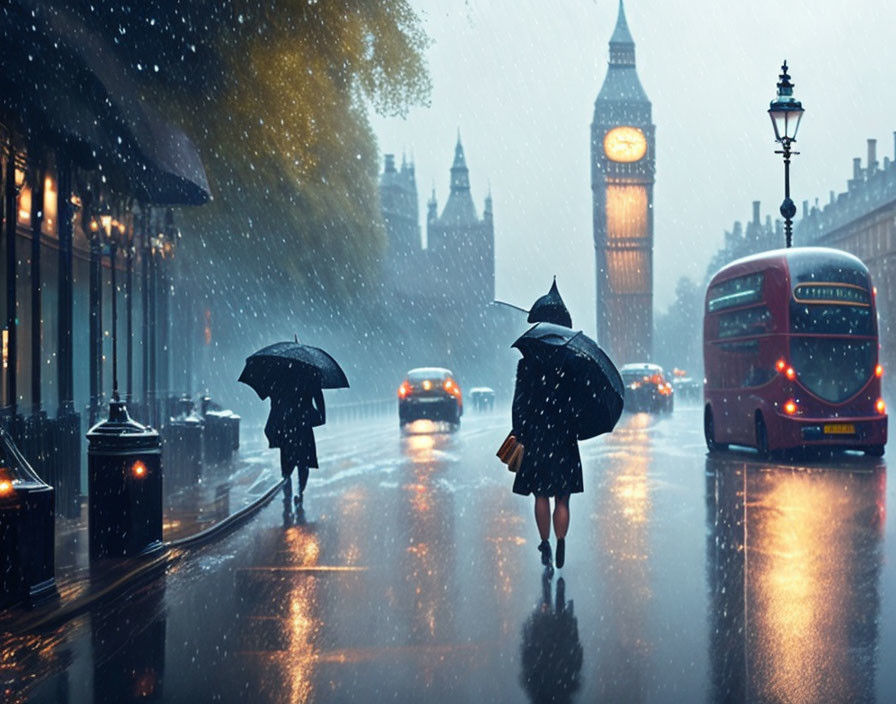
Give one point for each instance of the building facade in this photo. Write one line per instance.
(441, 294)
(623, 140)
(862, 221)
(87, 228)
(458, 263)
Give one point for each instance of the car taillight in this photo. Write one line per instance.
(404, 390)
(881, 406)
(451, 387)
(790, 407)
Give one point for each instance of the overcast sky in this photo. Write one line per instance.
(519, 78)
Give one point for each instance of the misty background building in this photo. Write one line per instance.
(443, 289)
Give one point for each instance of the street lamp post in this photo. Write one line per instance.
(786, 112)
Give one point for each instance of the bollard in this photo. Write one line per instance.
(27, 521)
(124, 480)
(183, 451)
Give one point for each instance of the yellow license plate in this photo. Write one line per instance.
(839, 429)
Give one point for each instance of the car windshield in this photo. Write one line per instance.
(833, 369)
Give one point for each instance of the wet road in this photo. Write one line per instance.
(414, 576)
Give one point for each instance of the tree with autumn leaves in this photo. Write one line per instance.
(276, 96)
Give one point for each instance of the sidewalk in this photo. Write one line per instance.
(224, 492)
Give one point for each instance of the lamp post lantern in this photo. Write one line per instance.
(786, 112)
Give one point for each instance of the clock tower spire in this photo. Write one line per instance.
(622, 177)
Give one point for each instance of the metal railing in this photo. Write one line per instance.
(360, 410)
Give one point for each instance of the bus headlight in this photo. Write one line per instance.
(790, 407)
(880, 406)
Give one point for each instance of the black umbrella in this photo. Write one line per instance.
(598, 389)
(287, 366)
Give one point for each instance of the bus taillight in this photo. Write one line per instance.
(879, 371)
(790, 373)
(781, 365)
(881, 406)
(790, 407)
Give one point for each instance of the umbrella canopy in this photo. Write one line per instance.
(289, 366)
(599, 391)
(550, 308)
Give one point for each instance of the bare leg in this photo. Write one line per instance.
(286, 470)
(543, 516)
(561, 516)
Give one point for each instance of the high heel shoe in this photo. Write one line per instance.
(545, 549)
(561, 552)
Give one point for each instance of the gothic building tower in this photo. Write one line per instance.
(398, 202)
(462, 245)
(622, 177)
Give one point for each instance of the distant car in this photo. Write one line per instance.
(431, 393)
(687, 389)
(482, 398)
(646, 389)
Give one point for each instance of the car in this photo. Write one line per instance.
(482, 398)
(430, 393)
(687, 389)
(646, 388)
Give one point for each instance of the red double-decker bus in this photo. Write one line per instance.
(790, 348)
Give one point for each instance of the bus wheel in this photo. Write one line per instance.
(875, 451)
(709, 432)
(761, 436)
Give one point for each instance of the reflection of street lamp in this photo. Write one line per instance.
(786, 112)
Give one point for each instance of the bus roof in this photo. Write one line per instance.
(794, 258)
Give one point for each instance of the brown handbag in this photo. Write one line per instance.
(511, 452)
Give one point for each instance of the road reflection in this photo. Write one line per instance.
(623, 516)
(551, 653)
(793, 565)
(129, 662)
(425, 521)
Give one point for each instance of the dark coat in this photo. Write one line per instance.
(544, 422)
(290, 424)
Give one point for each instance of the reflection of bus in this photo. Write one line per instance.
(791, 354)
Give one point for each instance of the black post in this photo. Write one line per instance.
(37, 220)
(67, 456)
(96, 321)
(153, 324)
(144, 291)
(64, 349)
(11, 211)
(113, 252)
(129, 290)
(788, 208)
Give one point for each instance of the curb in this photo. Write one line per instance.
(172, 551)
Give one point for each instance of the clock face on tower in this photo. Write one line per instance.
(625, 144)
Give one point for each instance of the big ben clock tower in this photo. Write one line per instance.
(622, 176)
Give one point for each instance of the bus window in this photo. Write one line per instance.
(739, 291)
(825, 319)
(831, 368)
(744, 323)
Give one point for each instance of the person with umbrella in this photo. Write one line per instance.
(295, 411)
(294, 376)
(567, 390)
